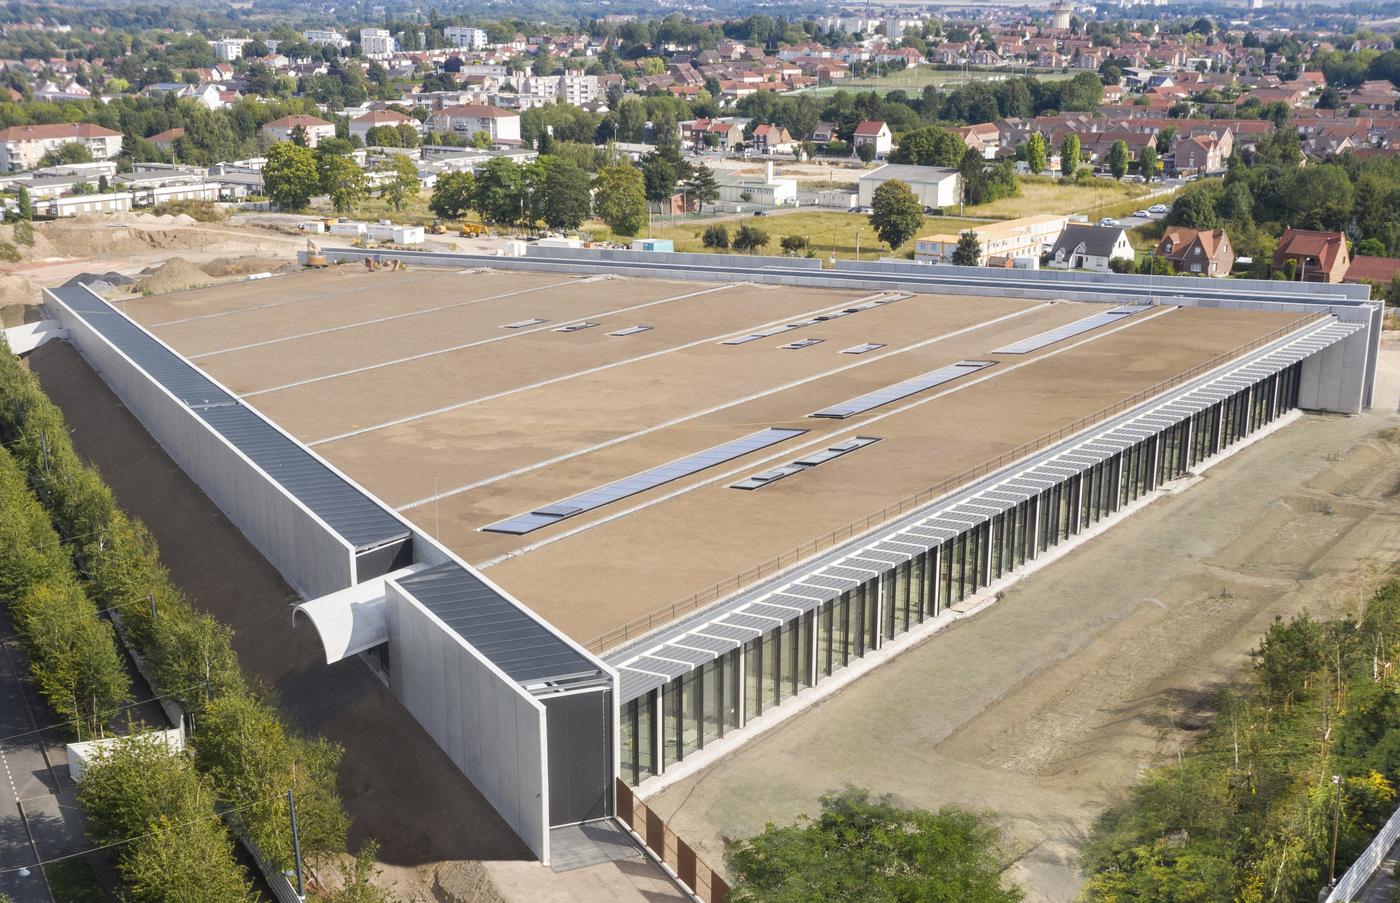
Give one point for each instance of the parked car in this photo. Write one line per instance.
(1158, 209)
(1141, 213)
(1108, 221)
(760, 213)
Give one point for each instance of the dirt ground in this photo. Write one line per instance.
(1044, 707)
(439, 838)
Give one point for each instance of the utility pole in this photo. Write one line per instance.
(296, 842)
(1336, 824)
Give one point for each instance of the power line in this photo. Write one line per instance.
(129, 705)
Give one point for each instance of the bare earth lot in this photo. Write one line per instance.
(1046, 706)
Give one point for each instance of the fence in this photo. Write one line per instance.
(703, 882)
(668, 613)
(1366, 864)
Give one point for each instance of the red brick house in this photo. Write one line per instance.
(1196, 251)
(1315, 256)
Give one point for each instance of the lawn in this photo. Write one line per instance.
(1047, 194)
(825, 229)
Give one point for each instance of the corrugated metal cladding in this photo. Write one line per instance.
(515, 642)
(349, 512)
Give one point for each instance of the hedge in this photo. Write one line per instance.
(189, 653)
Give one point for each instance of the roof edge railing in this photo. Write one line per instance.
(666, 614)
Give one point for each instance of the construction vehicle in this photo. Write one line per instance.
(374, 264)
(437, 228)
(314, 257)
(473, 230)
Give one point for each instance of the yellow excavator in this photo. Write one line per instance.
(314, 257)
(473, 230)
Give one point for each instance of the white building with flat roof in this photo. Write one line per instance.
(226, 50)
(464, 37)
(377, 42)
(934, 186)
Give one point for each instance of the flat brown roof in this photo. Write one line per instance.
(413, 384)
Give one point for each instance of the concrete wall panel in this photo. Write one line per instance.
(490, 728)
(312, 557)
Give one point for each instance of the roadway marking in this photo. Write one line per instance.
(720, 407)
(473, 344)
(826, 439)
(598, 369)
(386, 319)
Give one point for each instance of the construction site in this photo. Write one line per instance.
(699, 532)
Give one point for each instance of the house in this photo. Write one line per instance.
(23, 146)
(285, 128)
(771, 139)
(1306, 255)
(1381, 270)
(873, 132)
(1197, 155)
(934, 186)
(721, 133)
(1009, 240)
(166, 140)
(360, 125)
(1084, 247)
(1200, 252)
(468, 119)
(985, 138)
(824, 133)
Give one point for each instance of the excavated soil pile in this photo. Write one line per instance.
(175, 274)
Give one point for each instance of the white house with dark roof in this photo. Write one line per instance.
(1085, 247)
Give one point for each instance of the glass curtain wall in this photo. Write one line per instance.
(701, 706)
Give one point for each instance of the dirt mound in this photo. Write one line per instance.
(16, 291)
(241, 266)
(173, 275)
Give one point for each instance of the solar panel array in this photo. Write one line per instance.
(575, 327)
(641, 482)
(862, 403)
(630, 330)
(861, 349)
(800, 344)
(759, 480)
(812, 321)
(521, 324)
(1069, 330)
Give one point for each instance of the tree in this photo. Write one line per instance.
(403, 182)
(384, 136)
(563, 198)
(866, 152)
(290, 177)
(1069, 155)
(1036, 153)
(24, 207)
(701, 186)
(1147, 162)
(343, 180)
(793, 244)
(481, 140)
(968, 251)
(452, 195)
(895, 213)
(140, 788)
(69, 152)
(716, 236)
(929, 146)
(502, 192)
(619, 198)
(661, 170)
(1118, 158)
(870, 849)
(750, 238)
(299, 136)
(1152, 265)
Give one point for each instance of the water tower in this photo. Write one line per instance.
(1062, 11)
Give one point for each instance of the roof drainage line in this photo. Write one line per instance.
(822, 439)
(282, 303)
(377, 320)
(636, 434)
(455, 406)
(942, 508)
(477, 342)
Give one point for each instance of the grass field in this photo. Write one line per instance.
(824, 229)
(1046, 194)
(915, 80)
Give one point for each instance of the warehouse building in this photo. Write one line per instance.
(588, 527)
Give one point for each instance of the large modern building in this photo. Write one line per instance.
(607, 514)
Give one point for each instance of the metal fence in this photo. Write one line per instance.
(1366, 864)
(703, 882)
(667, 613)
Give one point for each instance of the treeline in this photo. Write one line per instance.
(1267, 191)
(1251, 812)
(246, 759)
